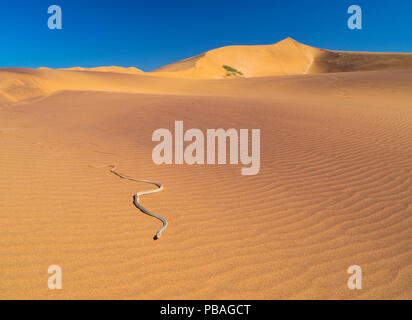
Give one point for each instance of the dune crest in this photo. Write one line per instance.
(287, 57)
(131, 70)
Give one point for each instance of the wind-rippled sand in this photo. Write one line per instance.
(334, 190)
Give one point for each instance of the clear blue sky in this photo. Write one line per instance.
(151, 33)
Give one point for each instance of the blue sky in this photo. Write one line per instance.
(151, 33)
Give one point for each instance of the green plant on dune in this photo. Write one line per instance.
(230, 71)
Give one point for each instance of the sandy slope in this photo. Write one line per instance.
(287, 57)
(335, 187)
(282, 58)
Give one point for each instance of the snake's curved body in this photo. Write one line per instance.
(136, 199)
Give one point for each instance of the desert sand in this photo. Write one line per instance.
(334, 189)
(286, 57)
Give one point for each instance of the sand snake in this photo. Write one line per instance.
(136, 197)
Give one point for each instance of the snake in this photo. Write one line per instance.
(141, 193)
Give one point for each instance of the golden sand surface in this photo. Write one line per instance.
(334, 189)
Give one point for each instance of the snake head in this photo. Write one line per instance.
(155, 237)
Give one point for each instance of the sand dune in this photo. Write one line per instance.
(131, 70)
(283, 58)
(335, 186)
(287, 57)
